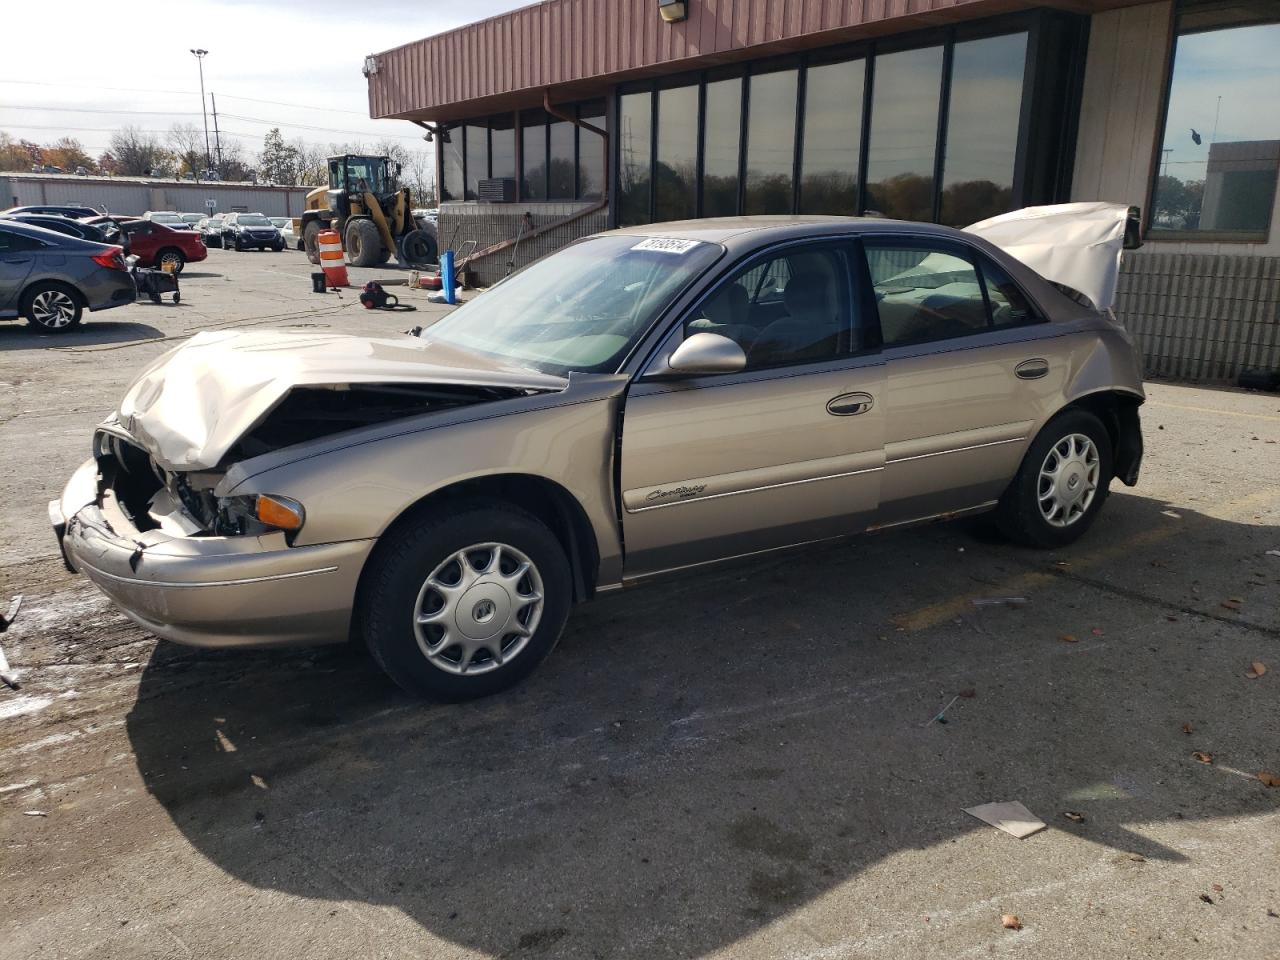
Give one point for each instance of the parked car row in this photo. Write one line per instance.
(245, 231)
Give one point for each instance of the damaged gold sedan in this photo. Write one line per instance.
(639, 402)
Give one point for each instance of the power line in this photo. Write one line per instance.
(225, 96)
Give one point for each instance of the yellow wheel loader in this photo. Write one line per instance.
(373, 214)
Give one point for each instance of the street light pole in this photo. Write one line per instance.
(208, 156)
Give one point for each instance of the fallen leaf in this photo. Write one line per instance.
(1269, 779)
(1217, 888)
(1230, 604)
(1188, 729)
(1171, 618)
(1068, 638)
(1010, 921)
(968, 694)
(1206, 898)
(1202, 756)
(1073, 816)
(1236, 599)
(1096, 631)
(1256, 669)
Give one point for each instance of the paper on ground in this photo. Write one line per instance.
(1010, 816)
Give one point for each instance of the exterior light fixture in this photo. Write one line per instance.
(673, 11)
(370, 66)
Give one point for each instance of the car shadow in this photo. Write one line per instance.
(705, 755)
(18, 335)
(198, 275)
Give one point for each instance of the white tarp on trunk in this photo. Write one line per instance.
(1074, 244)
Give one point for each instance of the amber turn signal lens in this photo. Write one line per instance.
(279, 512)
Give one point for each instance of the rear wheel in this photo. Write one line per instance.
(364, 243)
(466, 602)
(52, 307)
(311, 240)
(172, 256)
(1062, 483)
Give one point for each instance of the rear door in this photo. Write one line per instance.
(17, 257)
(971, 368)
(787, 450)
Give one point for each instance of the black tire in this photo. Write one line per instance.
(1019, 514)
(177, 296)
(171, 255)
(364, 243)
(278, 247)
(391, 593)
(311, 241)
(417, 248)
(52, 307)
(239, 245)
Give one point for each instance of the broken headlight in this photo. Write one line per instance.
(258, 513)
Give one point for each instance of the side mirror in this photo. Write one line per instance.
(700, 354)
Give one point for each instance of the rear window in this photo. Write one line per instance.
(250, 220)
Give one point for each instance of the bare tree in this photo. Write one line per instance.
(187, 144)
(233, 163)
(420, 176)
(137, 153)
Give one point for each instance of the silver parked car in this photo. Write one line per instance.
(642, 401)
(51, 278)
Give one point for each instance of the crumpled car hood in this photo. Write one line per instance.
(191, 405)
(1074, 244)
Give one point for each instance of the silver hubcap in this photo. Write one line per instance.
(53, 309)
(1068, 480)
(478, 609)
(171, 258)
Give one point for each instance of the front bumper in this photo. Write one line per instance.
(208, 591)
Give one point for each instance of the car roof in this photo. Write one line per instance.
(769, 229)
(40, 233)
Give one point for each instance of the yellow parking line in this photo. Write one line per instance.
(1024, 583)
(1225, 413)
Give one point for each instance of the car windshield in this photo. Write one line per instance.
(252, 220)
(279, 221)
(581, 308)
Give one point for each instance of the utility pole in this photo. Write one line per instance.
(217, 138)
(208, 154)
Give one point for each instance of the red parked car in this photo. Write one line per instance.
(152, 243)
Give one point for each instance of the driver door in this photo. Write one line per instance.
(787, 450)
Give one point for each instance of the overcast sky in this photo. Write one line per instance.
(85, 67)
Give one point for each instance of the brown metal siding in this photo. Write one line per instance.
(561, 42)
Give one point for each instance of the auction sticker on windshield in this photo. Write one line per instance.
(666, 245)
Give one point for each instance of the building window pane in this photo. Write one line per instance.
(771, 141)
(591, 163)
(635, 116)
(982, 128)
(675, 177)
(502, 143)
(832, 134)
(562, 162)
(477, 141)
(1221, 150)
(451, 187)
(533, 142)
(904, 133)
(723, 121)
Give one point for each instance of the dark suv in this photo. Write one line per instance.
(247, 231)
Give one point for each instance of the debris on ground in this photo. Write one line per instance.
(1206, 898)
(1256, 669)
(1069, 638)
(1010, 816)
(1269, 779)
(1273, 553)
(1217, 888)
(34, 813)
(940, 716)
(1073, 816)
(1232, 604)
(1188, 729)
(999, 601)
(967, 694)
(1202, 756)
(1010, 921)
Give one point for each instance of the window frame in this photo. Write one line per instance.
(847, 248)
(956, 248)
(1208, 23)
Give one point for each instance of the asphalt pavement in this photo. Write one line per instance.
(736, 763)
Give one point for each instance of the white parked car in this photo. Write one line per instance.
(169, 218)
(285, 225)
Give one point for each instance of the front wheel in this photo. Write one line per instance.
(311, 239)
(1062, 483)
(465, 603)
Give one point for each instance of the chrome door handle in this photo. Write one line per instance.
(850, 404)
(1032, 369)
